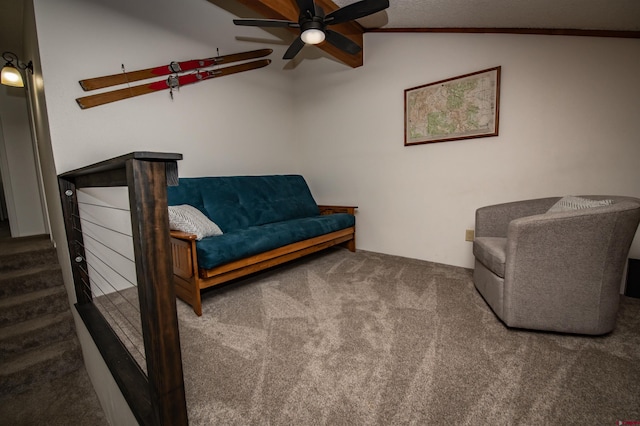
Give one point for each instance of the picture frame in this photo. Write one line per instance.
(462, 107)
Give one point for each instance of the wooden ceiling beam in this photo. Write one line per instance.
(287, 9)
(533, 31)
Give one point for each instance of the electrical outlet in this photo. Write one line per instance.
(469, 235)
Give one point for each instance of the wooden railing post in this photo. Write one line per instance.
(149, 217)
(75, 242)
(157, 398)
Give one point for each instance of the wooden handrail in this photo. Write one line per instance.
(157, 398)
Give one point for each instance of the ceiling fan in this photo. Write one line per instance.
(313, 23)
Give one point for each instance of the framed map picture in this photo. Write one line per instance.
(461, 107)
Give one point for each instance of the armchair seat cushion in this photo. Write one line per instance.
(492, 253)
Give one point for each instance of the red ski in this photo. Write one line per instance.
(172, 82)
(172, 68)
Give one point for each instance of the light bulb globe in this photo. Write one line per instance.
(312, 36)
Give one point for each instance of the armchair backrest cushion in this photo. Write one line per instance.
(239, 202)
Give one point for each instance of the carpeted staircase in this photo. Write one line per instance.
(37, 336)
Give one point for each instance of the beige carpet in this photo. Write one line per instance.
(368, 339)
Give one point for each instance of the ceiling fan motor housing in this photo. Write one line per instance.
(315, 22)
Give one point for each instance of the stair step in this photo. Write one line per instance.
(30, 279)
(23, 244)
(27, 306)
(39, 366)
(18, 253)
(36, 333)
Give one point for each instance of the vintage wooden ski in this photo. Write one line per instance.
(173, 82)
(172, 68)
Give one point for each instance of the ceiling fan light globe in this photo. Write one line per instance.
(312, 36)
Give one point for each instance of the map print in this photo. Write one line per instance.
(458, 108)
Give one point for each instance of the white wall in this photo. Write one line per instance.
(234, 124)
(19, 176)
(569, 124)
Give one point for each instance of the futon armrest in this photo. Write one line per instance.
(337, 209)
(183, 235)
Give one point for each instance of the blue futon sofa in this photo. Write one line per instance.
(244, 224)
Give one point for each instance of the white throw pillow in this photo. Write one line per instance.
(571, 202)
(189, 219)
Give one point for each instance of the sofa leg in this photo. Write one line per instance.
(189, 292)
(351, 245)
(197, 303)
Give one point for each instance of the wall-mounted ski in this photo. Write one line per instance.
(172, 82)
(172, 68)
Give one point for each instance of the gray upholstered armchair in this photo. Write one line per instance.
(558, 271)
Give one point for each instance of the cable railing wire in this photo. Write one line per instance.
(108, 266)
(81, 219)
(110, 248)
(115, 322)
(85, 203)
(98, 287)
(134, 306)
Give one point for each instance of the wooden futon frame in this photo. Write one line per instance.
(190, 279)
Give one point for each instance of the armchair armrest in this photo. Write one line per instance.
(577, 256)
(590, 232)
(337, 209)
(493, 221)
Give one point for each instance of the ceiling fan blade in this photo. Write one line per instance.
(293, 50)
(341, 42)
(355, 10)
(266, 23)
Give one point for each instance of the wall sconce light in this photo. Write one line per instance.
(10, 75)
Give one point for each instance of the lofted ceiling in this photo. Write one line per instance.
(602, 18)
